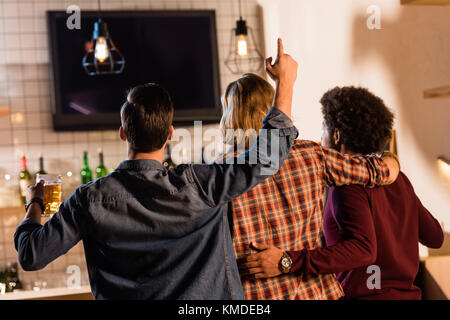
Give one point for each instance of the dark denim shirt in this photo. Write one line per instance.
(152, 233)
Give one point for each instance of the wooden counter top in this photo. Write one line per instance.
(82, 293)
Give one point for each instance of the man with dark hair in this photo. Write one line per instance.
(148, 112)
(152, 233)
(379, 227)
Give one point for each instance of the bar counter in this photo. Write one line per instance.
(81, 293)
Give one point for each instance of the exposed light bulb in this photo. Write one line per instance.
(102, 57)
(242, 46)
(101, 50)
(17, 117)
(444, 167)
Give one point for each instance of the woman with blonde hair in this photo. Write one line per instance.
(244, 102)
(286, 210)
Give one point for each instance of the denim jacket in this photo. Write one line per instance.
(152, 233)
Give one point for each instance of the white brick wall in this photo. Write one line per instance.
(24, 86)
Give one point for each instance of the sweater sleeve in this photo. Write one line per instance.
(358, 246)
(430, 231)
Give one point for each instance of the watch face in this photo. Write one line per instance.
(285, 263)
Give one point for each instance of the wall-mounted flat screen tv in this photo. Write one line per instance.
(177, 49)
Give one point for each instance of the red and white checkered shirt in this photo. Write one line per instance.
(286, 211)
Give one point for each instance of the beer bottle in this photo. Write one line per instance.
(86, 173)
(24, 179)
(100, 171)
(41, 164)
(168, 163)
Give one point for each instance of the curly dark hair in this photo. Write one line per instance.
(364, 121)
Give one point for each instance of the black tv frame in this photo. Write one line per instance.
(108, 121)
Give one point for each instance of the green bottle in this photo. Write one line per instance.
(24, 179)
(41, 164)
(168, 163)
(100, 171)
(86, 173)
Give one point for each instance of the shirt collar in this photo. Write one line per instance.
(141, 164)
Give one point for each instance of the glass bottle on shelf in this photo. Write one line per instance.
(24, 179)
(41, 164)
(168, 163)
(100, 171)
(14, 284)
(86, 173)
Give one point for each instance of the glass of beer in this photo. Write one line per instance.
(52, 192)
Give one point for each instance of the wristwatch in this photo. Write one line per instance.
(285, 263)
(35, 200)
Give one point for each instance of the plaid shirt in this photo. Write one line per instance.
(286, 211)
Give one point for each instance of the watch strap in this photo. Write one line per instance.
(35, 200)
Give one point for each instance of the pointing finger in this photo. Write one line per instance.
(280, 47)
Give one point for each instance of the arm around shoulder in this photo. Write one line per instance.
(369, 171)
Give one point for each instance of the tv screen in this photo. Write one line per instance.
(177, 49)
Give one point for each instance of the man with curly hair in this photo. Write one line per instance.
(379, 227)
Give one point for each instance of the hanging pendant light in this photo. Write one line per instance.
(244, 55)
(241, 41)
(102, 57)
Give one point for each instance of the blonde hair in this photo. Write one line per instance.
(245, 104)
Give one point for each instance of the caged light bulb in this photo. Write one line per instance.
(103, 57)
(242, 46)
(101, 50)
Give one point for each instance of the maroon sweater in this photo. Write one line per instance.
(380, 226)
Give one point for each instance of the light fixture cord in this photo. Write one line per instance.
(99, 10)
(240, 9)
